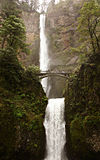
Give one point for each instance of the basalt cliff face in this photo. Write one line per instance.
(61, 27)
(31, 21)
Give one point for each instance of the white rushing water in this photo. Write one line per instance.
(54, 119)
(55, 129)
(44, 58)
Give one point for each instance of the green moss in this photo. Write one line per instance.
(83, 109)
(91, 123)
(22, 109)
(78, 136)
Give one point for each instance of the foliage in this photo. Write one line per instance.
(87, 31)
(22, 109)
(31, 72)
(24, 5)
(89, 25)
(10, 68)
(83, 110)
(33, 69)
(12, 28)
(34, 4)
(30, 5)
(12, 33)
(9, 7)
(90, 122)
(77, 134)
(21, 123)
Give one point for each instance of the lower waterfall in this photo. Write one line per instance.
(55, 129)
(54, 119)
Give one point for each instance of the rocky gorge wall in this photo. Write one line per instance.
(31, 21)
(82, 111)
(61, 32)
(22, 110)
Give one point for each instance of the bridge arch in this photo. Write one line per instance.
(51, 74)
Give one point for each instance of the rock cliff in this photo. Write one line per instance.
(61, 32)
(31, 21)
(83, 111)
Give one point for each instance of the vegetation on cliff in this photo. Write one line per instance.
(88, 28)
(22, 100)
(82, 94)
(83, 110)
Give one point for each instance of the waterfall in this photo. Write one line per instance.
(44, 58)
(55, 129)
(54, 118)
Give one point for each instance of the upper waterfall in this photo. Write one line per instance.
(44, 58)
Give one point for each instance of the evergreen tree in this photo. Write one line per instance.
(12, 29)
(10, 7)
(12, 33)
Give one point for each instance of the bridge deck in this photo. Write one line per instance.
(47, 74)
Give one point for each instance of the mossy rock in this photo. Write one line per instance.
(82, 111)
(22, 109)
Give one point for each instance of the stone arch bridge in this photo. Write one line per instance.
(45, 74)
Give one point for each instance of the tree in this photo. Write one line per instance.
(12, 42)
(24, 5)
(89, 25)
(98, 1)
(12, 29)
(34, 4)
(10, 7)
(12, 33)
